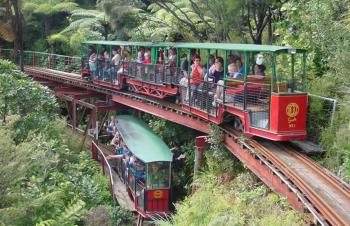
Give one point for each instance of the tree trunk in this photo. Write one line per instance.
(17, 26)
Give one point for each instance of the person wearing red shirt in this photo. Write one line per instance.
(196, 76)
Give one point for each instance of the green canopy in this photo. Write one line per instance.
(212, 46)
(142, 141)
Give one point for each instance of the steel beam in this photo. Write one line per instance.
(185, 120)
(70, 90)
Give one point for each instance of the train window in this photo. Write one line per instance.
(289, 72)
(158, 175)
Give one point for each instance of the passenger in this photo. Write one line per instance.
(231, 59)
(184, 64)
(112, 126)
(140, 56)
(115, 65)
(239, 64)
(160, 57)
(211, 62)
(116, 57)
(172, 58)
(218, 73)
(156, 177)
(233, 72)
(93, 62)
(147, 59)
(196, 77)
(99, 70)
(259, 71)
(115, 141)
(106, 65)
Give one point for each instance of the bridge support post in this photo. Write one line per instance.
(200, 145)
(74, 114)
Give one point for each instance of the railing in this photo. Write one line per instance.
(46, 60)
(251, 96)
(98, 155)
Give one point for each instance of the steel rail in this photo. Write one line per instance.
(333, 216)
(323, 207)
(273, 164)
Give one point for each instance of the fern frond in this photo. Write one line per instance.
(57, 38)
(86, 13)
(29, 6)
(6, 33)
(65, 7)
(46, 223)
(72, 212)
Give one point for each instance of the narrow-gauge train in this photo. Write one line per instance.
(145, 167)
(265, 101)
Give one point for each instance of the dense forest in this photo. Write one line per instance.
(47, 178)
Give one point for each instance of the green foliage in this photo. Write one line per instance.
(322, 27)
(237, 202)
(44, 179)
(36, 109)
(121, 216)
(219, 153)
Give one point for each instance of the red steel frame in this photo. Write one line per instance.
(152, 89)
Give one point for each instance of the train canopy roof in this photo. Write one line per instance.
(211, 46)
(142, 141)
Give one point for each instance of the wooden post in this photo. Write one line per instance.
(74, 114)
(94, 152)
(69, 64)
(200, 145)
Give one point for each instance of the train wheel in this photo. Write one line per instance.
(238, 124)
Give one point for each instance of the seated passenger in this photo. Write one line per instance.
(239, 64)
(156, 177)
(218, 73)
(211, 62)
(259, 71)
(233, 72)
(196, 76)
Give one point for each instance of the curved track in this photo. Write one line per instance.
(320, 193)
(328, 194)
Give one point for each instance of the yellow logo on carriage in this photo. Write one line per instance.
(292, 110)
(158, 194)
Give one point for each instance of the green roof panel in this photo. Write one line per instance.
(142, 141)
(213, 46)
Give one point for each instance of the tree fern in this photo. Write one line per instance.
(72, 213)
(6, 33)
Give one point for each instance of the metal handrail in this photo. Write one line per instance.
(104, 158)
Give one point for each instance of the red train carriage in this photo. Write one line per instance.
(271, 104)
(146, 169)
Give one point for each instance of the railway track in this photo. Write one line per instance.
(329, 195)
(323, 196)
